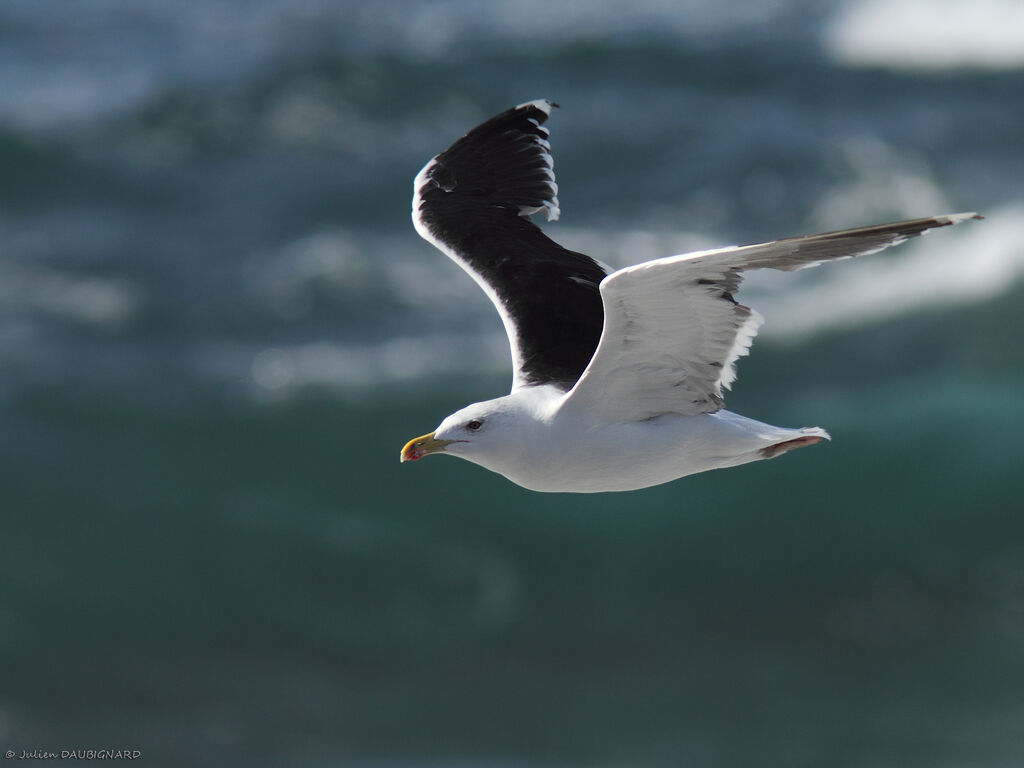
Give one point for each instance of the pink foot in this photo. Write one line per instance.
(779, 448)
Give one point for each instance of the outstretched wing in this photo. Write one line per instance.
(673, 331)
(473, 201)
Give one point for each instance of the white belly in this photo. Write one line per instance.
(622, 457)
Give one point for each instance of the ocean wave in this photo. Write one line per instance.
(114, 56)
(277, 370)
(876, 182)
(90, 299)
(928, 34)
(434, 29)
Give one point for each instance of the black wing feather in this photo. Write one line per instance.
(473, 201)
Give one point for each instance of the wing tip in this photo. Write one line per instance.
(957, 218)
(550, 207)
(544, 105)
(536, 113)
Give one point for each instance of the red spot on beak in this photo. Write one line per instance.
(419, 447)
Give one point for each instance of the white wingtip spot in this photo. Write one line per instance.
(551, 210)
(544, 105)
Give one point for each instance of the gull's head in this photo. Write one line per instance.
(494, 434)
(472, 433)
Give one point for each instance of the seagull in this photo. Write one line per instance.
(618, 376)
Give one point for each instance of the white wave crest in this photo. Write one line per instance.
(26, 289)
(281, 371)
(928, 34)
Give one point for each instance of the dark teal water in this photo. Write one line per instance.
(217, 328)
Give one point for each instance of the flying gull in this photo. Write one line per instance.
(618, 377)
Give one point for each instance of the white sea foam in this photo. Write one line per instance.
(928, 34)
(283, 370)
(878, 182)
(47, 84)
(160, 46)
(329, 260)
(87, 299)
(434, 28)
(349, 264)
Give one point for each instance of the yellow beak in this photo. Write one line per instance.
(419, 447)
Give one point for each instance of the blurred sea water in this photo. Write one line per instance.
(218, 327)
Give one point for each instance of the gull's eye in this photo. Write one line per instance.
(474, 425)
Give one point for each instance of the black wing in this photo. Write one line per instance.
(473, 201)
